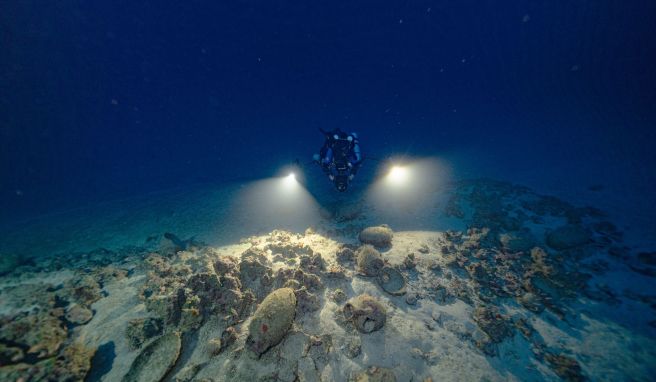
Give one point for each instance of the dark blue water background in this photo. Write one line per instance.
(106, 99)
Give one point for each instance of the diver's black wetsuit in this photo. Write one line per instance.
(340, 157)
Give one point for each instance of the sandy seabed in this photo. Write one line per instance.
(496, 283)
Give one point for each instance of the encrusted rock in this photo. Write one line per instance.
(306, 301)
(41, 334)
(531, 302)
(345, 255)
(338, 296)
(156, 359)
(568, 236)
(353, 347)
(565, 367)
(78, 315)
(369, 262)
(73, 363)
(271, 320)
(375, 374)
(392, 281)
(380, 237)
(366, 313)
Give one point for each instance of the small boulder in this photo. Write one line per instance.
(380, 237)
(568, 236)
(272, 320)
(366, 313)
(369, 261)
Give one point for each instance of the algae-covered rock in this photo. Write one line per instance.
(568, 236)
(41, 334)
(155, 360)
(392, 281)
(271, 320)
(375, 374)
(73, 363)
(368, 261)
(380, 237)
(366, 313)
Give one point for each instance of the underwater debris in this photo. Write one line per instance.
(410, 262)
(567, 237)
(492, 323)
(140, 330)
(369, 261)
(375, 374)
(306, 301)
(565, 367)
(345, 255)
(156, 359)
(532, 302)
(380, 236)
(366, 313)
(392, 281)
(271, 321)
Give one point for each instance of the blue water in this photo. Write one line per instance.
(111, 99)
(134, 135)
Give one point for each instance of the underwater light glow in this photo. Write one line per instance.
(290, 180)
(408, 191)
(398, 175)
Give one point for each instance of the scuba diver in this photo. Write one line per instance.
(340, 157)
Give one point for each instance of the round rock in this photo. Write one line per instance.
(380, 236)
